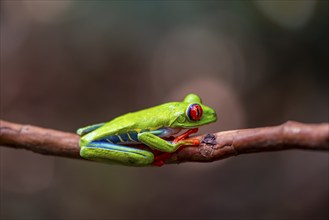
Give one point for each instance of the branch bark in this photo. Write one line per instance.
(216, 146)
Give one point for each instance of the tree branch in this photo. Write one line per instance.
(290, 135)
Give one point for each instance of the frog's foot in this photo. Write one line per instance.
(180, 138)
(111, 153)
(158, 144)
(161, 157)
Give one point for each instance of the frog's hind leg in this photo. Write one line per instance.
(111, 153)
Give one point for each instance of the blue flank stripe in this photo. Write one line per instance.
(133, 136)
(124, 137)
(114, 139)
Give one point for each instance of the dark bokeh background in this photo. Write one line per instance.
(66, 64)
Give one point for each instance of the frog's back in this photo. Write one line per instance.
(147, 119)
(133, 123)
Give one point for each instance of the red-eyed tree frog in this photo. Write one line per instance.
(152, 127)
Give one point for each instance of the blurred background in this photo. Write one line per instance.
(67, 64)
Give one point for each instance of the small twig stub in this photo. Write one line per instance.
(209, 139)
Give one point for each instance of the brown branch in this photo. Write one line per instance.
(39, 140)
(290, 135)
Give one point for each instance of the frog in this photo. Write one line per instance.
(113, 141)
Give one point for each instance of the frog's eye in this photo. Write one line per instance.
(194, 112)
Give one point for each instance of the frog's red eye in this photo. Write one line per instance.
(194, 112)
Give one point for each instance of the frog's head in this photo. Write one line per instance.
(192, 113)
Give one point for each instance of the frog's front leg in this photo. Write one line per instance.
(160, 144)
(112, 153)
